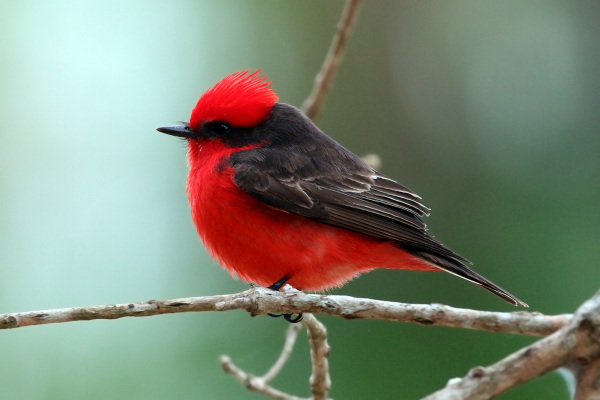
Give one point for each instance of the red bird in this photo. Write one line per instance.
(277, 201)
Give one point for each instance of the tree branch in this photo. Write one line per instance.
(319, 351)
(258, 301)
(587, 375)
(320, 383)
(290, 340)
(577, 341)
(253, 383)
(314, 103)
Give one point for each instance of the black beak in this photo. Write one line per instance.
(179, 130)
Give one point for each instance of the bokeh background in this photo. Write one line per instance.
(488, 109)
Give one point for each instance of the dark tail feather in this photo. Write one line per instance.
(457, 268)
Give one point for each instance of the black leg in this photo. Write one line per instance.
(288, 317)
(280, 283)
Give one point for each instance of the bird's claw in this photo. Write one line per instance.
(288, 317)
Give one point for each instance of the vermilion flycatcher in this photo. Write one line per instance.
(277, 201)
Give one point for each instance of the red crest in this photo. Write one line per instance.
(240, 99)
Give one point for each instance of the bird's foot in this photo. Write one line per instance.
(288, 317)
(291, 318)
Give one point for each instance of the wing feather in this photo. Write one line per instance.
(338, 188)
(354, 197)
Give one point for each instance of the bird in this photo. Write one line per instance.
(276, 201)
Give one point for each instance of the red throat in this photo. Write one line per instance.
(241, 99)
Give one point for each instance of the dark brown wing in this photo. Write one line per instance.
(307, 173)
(358, 199)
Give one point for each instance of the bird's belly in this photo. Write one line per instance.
(261, 244)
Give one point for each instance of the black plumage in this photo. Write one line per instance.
(297, 168)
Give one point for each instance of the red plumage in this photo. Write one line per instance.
(239, 99)
(274, 199)
(261, 244)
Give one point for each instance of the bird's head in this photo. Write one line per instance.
(241, 100)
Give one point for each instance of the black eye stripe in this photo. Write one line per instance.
(217, 128)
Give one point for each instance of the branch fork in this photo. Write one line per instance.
(320, 382)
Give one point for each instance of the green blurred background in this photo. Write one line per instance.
(489, 110)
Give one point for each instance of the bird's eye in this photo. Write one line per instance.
(219, 128)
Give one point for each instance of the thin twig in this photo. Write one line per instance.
(258, 301)
(319, 350)
(290, 340)
(320, 382)
(314, 103)
(578, 340)
(253, 383)
(373, 160)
